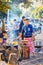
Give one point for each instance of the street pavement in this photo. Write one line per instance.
(38, 60)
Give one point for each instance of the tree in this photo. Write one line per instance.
(15, 9)
(4, 7)
(27, 3)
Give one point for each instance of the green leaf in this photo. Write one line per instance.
(4, 7)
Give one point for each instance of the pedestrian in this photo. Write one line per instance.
(2, 27)
(5, 36)
(21, 25)
(28, 35)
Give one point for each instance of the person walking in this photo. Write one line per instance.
(21, 25)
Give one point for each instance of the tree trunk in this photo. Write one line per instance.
(3, 25)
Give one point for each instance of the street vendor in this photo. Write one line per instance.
(28, 35)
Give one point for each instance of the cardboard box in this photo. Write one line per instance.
(25, 49)
(24, 42)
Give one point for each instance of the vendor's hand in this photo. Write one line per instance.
(19, 38)
(33, 39)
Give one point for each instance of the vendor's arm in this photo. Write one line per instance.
(33, 36)
(32, 33)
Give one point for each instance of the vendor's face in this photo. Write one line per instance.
(26, 22)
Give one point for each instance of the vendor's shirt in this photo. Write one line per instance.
(28, 30)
